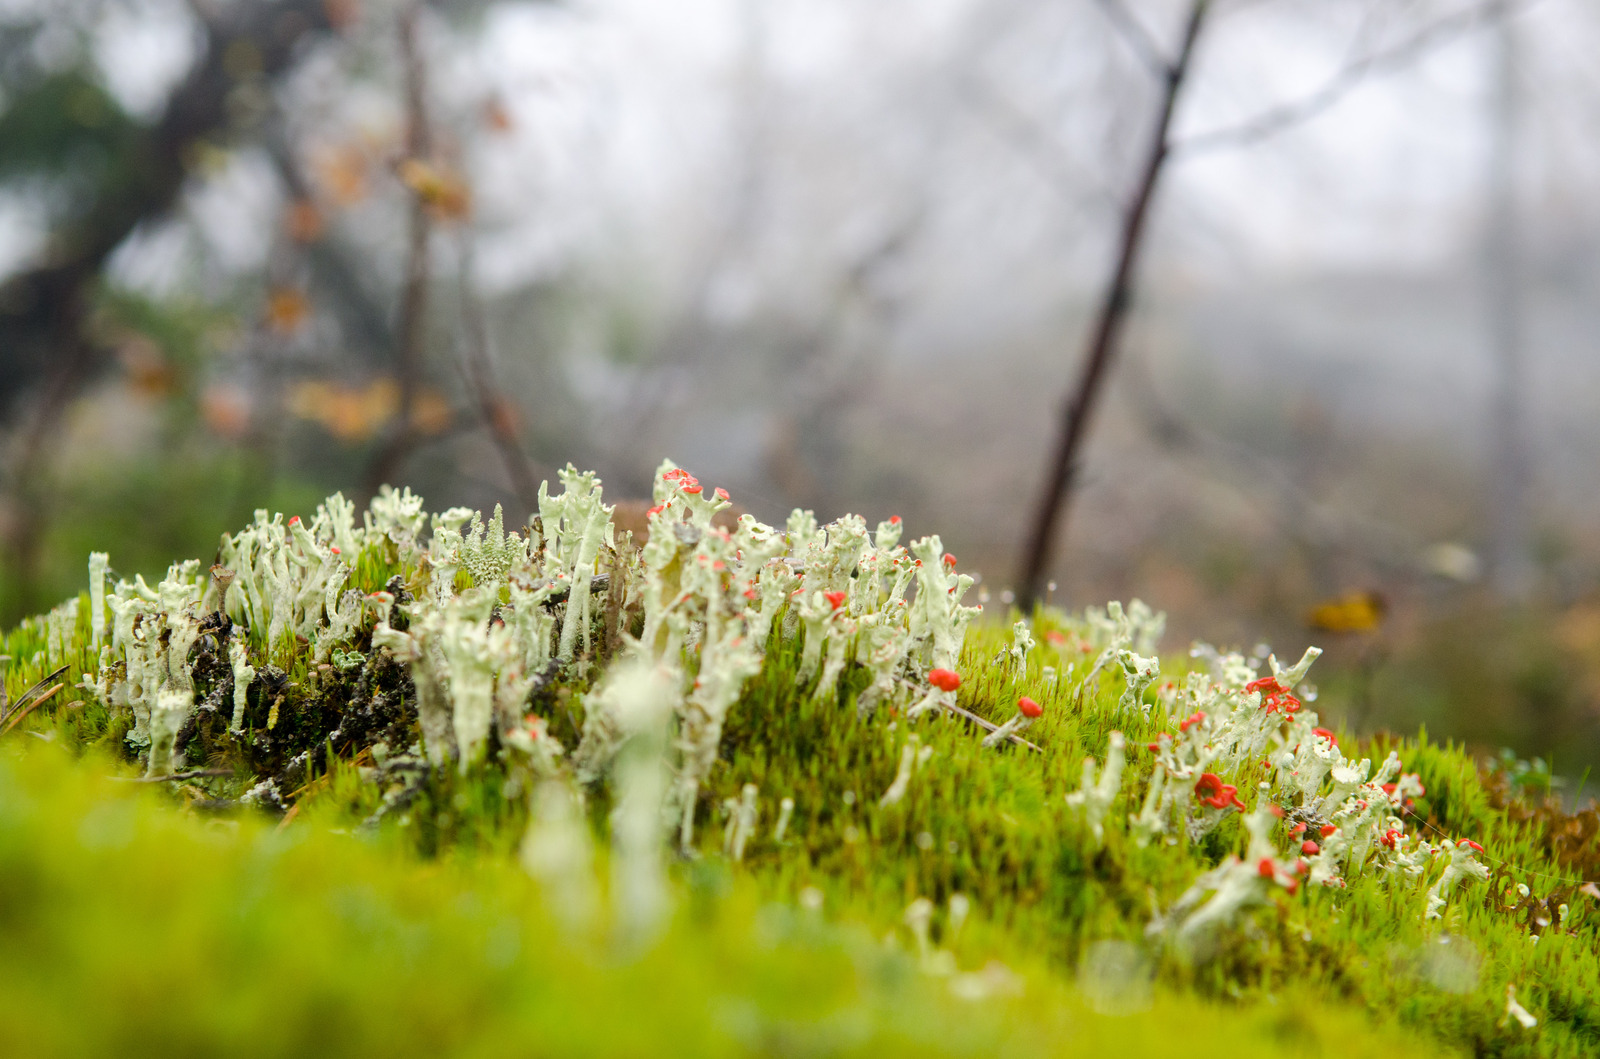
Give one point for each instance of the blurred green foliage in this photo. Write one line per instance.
(129, 928)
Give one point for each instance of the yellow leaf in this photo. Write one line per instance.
(1351, 613)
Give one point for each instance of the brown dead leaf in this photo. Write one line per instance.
(304, 221)
(431, 413)
(287, 310)
(496, 115)
(225, 409)
(442, 192)
(342, 172)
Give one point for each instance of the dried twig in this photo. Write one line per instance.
(38, 686)
(192, 774)
(991, 726)
(986, 725)
(19, 714)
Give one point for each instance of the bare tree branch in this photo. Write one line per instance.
(411, 331)
(1133, 33)
(1034, 141)
(1388, 60)
(1103, 341)
(497, 411)
(1277, 495)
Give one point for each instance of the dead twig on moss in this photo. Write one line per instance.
(18, 715)
(26, 702)
(192, 774)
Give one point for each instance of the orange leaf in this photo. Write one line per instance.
(442, 193)
(431, 413)
(343, 173)
(503, 417)
(149, 373)
(226, 410)
(304, 221)
(496, 115)
(287, 310)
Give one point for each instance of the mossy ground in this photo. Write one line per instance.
(168, 921)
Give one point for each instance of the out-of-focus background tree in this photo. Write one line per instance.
(846, 256)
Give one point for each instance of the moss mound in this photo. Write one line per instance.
(456, 794)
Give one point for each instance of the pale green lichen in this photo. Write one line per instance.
(1098, 791)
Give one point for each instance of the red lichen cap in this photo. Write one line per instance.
(949, 560)
(1328, 829)
(1266, 684)
(1224, 794)
(1324, 733)
(1189, 722)
(944, 679)
(835, 599)
(1266, 868)
(1310, 848)
(1029, 708)
(720, 493)
(1469, 842)
(894, 520)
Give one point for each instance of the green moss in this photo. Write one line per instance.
(133, 919)
(129, 928)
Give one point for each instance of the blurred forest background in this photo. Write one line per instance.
(846, 256)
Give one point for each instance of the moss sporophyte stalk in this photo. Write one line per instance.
(723, 690)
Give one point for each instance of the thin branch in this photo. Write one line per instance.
(982, 722)
(1133, 33)
(990, 726)
(1104, 339)
(18, 715)
(192, 774)
(1297, 512)
(22, 700)
(1033, 140)
(498, 413)
(1388, 60)
(410, 332)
